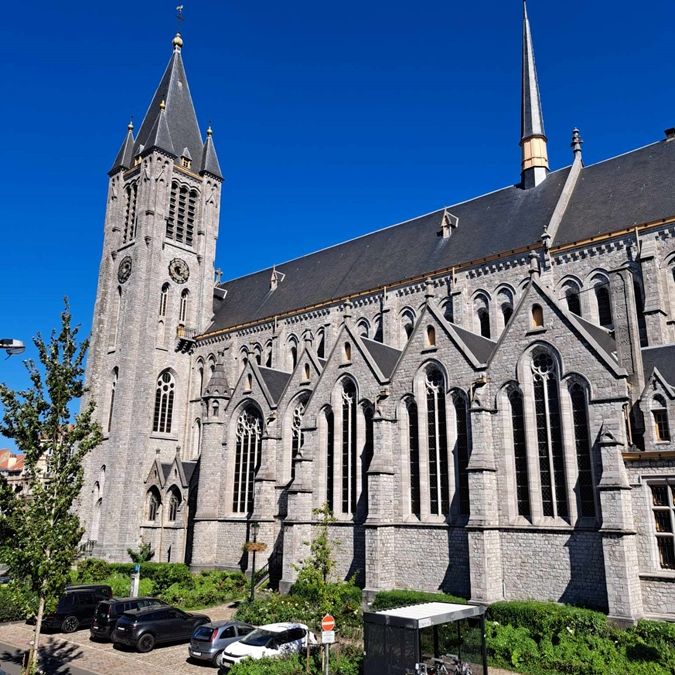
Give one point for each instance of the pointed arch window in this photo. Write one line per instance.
(462, 451)
(431, 336)
(520, 452)
(321, 349)
(113, 386)
(180, 222)
(640, 309)
(330, 458)
(378, 334)
(413, 457)
(184, 300)
(437, 437)
(572, 297)
(582, 442)
(129, 230)
(449, 310)
(367, 456)
(174, 504)
(482, 310)
(268, 355)
(164, 398)
(537, 316)
(407, 325)
(248, 448)
(163, 299)
(604, 305)
(196, 438)
(549, 436)
(296, 433)
(363, 328)
(660, 416)
(507, 313)
(115, 313)
(349, 455)
(154, 501)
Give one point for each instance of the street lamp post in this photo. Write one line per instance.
(12, 346)
(255, 527)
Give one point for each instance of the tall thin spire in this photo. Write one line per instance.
(532, 136)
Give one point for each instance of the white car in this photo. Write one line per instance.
(274, 639)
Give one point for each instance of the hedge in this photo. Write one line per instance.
(162, 575)
(342, 662)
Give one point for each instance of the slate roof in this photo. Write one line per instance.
(276, 381)
(125, 155)
(210, 162)
(481, 347)
(508, 219)
(603, 337)
(188, 470)
(619, 193)
(181, 120)
(662, 358)
(385, 357)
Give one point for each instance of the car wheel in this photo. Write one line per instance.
(146, 643)
(216, 659)
(70, 624)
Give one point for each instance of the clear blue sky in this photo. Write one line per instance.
(330, 119)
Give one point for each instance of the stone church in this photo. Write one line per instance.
(481, 395)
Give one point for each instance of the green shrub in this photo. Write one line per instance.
(15, 603)
(348, 661)
(286, 666)
(205, 589)
(402, 598)
(93, 570)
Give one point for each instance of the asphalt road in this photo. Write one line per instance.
(10, 663)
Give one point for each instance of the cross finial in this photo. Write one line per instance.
(162, 104)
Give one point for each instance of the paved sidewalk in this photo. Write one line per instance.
(76, 652)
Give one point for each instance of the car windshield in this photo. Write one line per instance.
(259, 637)
(103, 609)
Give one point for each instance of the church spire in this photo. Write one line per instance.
(125, 154)
(171, 117)
(532, 136)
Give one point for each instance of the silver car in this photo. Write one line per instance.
(209, 640)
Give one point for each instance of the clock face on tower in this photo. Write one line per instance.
(124, 270)
(179, 270)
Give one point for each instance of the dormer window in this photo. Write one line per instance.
(185, 163)
(137, 160)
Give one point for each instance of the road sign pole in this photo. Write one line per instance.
(327, 638)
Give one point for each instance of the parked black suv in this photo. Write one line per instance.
(109, 611)
(144, 628)
(76, 607)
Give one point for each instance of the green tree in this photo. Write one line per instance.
(145, 552)
(316, 569)
(44, 530)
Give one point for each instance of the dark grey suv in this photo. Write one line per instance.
(109, 611)
(209, 640)
(76, 607)
(144, 628)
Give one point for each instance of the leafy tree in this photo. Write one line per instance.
(145, 553)
(43, 528)
(316, 569)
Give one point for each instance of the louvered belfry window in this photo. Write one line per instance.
(549, 436)
(180, 223)
(129, 230)
(246, 459)
(164, 396)
(437, 437)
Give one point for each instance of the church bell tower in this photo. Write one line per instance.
(155, 293)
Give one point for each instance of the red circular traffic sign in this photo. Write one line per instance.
(328, 622)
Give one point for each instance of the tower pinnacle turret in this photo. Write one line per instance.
(532, 136)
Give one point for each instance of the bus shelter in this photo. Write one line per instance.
(418, 638)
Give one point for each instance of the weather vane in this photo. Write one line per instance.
(179, 14)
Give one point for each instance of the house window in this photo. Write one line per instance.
(520, 452)
(154, 502)
(180, 222)
(583, 448)
(113, 386)
(129, 230)
(549, 436)
(660, 415)
(462, 451)
(349, 456)
(296, 429)
(164, 395)
(413, 457)
(330, 459)
(174, 503)
(431, 336)
(163, 298)
(663, 508)
(437, 439)
(183, 311)
(247, 458)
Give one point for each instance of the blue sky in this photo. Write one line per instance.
(330, 119)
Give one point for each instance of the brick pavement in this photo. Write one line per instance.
(101, 658)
